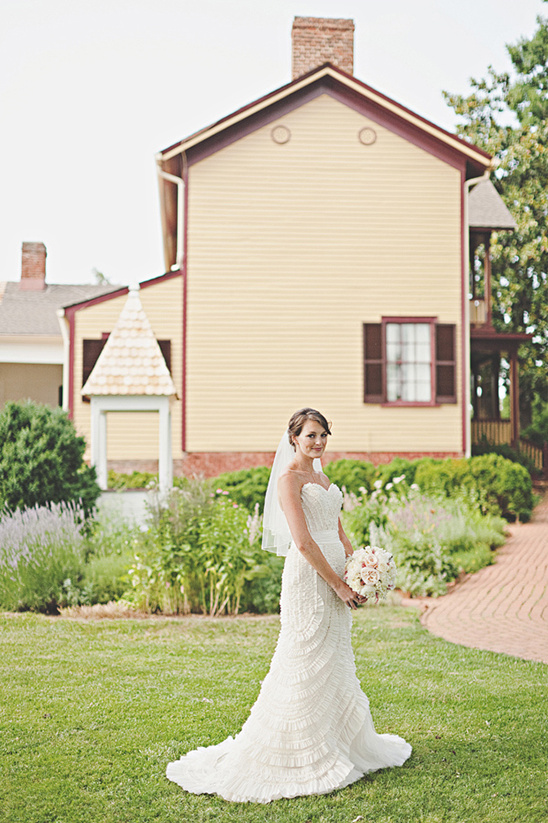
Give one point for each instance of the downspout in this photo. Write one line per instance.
(66, 356)
(466, 330)
(182, 205)
(180, 183)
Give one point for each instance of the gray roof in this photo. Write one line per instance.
(486, 209)
(35, 312)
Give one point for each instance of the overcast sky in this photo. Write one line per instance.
(90, 91)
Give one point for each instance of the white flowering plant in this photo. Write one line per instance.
(371, 573)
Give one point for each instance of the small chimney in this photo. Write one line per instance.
(318, 40)
(33, 267)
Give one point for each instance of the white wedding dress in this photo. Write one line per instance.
(310, 730)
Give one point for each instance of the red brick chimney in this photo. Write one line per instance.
(33, 267)
(318, 40)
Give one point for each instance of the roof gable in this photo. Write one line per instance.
(331, 80)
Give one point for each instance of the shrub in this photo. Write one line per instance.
(493, 483)
(202, 554)
(135, 480)
(246, 487)
(40, 549)
(432, 538)
(353, 475)
(41, 459)
(505, 450)
(398, 467)
(537, 432)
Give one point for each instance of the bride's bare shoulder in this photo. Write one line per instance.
(292, 479)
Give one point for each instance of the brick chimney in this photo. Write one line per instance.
(33, 267)
(318, 40)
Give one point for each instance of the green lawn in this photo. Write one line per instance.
(91, 712)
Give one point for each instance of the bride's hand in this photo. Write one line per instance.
(347, 595)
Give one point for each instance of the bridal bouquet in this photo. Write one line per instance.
(371, 572)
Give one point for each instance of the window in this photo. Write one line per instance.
(409, 362)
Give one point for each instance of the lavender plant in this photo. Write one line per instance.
(41, 548)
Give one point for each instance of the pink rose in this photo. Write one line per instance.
(371, 577)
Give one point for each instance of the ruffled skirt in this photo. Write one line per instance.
(310, 730)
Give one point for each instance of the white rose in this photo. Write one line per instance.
(371, 577)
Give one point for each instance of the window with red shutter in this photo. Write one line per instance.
(446, 388)
(409, 362)
(373, 363)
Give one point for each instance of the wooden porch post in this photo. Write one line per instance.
(487, 278)
(514, 397)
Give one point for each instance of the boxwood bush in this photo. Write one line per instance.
(496, 484)
(246, 487)
(352, 475)
(42, 459)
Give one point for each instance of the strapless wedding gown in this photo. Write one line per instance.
(310, 731)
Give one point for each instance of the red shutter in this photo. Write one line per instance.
(165, 348)
(90, 354)
(373, 363)
(446, 380)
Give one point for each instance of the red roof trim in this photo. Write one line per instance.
(311, 74)
(84, 304)
(465, 365)
(489, 333)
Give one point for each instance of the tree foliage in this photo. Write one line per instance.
(507, 115)
(41, 459)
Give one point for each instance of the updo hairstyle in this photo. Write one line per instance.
(297, 421)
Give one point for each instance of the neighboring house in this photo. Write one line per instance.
(317, 250)
(32, 351)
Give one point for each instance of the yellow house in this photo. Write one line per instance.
(316, 243)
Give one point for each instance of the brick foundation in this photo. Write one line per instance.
(210, 464)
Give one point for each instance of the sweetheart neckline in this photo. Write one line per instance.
(310, 483)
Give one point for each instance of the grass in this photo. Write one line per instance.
(93, 710)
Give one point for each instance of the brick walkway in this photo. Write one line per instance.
(504, 607)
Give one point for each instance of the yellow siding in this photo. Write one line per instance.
(37, 381)
(134, 435)
(291, 249)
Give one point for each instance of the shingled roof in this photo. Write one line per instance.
(131, 362)
(35, 312)
(486, 209)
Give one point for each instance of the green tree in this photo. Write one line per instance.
(508, 117)
(41, 459)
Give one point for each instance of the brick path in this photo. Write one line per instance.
(504, 607)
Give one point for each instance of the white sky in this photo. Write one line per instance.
(90, 91)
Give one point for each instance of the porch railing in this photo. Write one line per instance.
(478, 311)
(494, 431)
(538, 454)
(499, 432)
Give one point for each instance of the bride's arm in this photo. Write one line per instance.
(289, 491)
(348, 550)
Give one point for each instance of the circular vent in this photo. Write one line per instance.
(367, 136)
(280, 134)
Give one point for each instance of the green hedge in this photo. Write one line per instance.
(353, 475)
(497, 485)
(42, 459)
(246, 487)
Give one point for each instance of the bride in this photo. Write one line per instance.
(310, 731)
